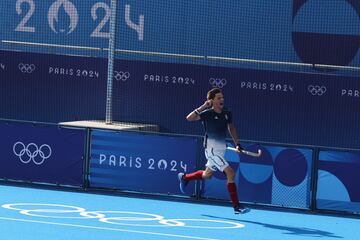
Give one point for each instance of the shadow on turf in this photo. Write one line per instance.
(299, 231)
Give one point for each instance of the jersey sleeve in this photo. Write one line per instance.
(204, 115)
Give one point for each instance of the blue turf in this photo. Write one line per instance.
(63, 222)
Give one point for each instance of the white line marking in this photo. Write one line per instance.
(104, 228)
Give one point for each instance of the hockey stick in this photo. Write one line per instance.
(253, 154)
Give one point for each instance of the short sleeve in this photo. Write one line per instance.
(204, 115)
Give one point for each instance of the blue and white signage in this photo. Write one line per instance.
(281, 176)
(42, 153)
(300, 108)
(140, 162)
(277, 30)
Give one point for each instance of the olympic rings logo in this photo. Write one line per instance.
(123, 76)
(32, 152)
(217, 82)
(316, 90)
(122, 218)
(26, 68)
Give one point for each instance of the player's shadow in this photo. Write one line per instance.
(289, 230)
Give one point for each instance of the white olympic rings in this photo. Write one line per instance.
(120, 75)
(26, 68)
(32, 151)
(217, 82)
(317, 90)
(123, 218)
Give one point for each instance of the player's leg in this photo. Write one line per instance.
(184, 178)
(207, 174)
(219, 161)
(231, 187)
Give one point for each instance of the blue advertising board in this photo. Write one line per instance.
(141, 162)
(268, 106)
(281, 176)
(42, 153)
(277, 30)
(338, 181)
(51, 88)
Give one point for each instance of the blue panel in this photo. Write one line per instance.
(264, 30)
(53, 22)
(141, 162)
(342, 206)
(292, 177)
(338, 177)
(51, 88)
(281, 176)
(42, 153)
(267, 105)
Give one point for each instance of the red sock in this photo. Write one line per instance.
(193, 176)
(233, 194)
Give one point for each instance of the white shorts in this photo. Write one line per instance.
(215, 159)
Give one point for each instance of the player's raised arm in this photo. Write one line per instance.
(195, 114)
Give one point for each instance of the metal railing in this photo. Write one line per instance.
(185, 56)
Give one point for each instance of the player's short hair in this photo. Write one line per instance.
(211, 94)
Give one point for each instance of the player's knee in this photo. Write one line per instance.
(207, 175)
(230, 174)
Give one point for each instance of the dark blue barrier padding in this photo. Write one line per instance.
(141, 162)
(268, 106)
(338, 181)
(50, 88)
(42, 153)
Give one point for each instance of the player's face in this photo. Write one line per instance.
(218, 101)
